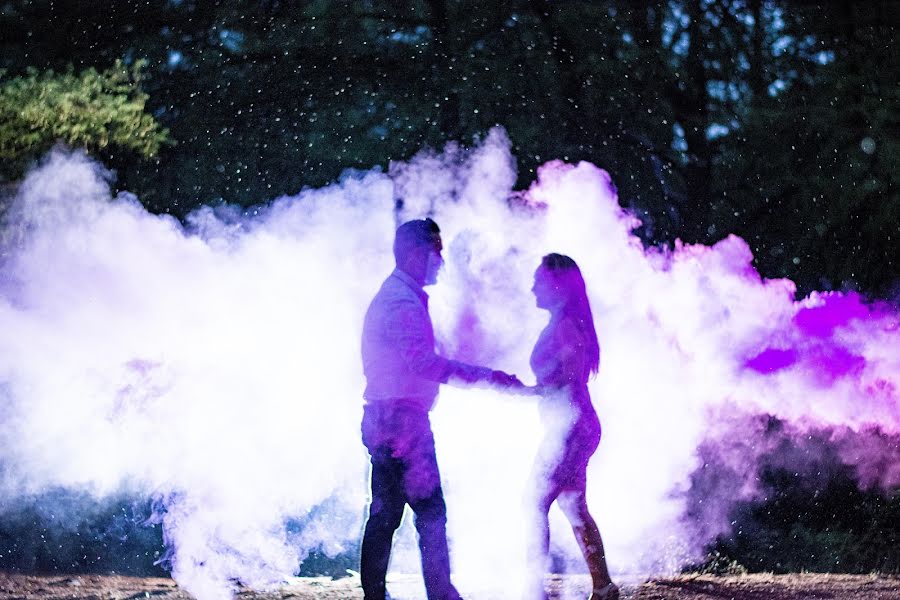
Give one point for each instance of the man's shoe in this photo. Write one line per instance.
(608, 592)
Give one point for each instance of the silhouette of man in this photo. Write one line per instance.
(403, 374)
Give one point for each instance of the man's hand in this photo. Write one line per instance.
(510, 384)
(504, 380)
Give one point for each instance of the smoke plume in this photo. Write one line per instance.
(213, 366)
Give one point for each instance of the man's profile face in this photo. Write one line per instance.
(434, 262)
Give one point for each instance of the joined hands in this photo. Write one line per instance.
(498, 380)
(505, 381)
(512, 385)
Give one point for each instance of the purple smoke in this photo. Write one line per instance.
(215, 366)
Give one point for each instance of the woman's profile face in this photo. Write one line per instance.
(546, 293)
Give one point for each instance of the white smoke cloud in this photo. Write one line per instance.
(216, 367)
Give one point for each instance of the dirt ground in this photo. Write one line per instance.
(705, 587)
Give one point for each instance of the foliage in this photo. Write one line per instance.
(717, 563)
(774, 119)
(100, 111)
(811, 512)
(814, 179)
(841, 529)
(71, 532)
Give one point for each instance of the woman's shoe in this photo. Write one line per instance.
(610, 591)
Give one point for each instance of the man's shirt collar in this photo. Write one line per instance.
(412, 283)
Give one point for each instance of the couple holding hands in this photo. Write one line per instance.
(403, 373)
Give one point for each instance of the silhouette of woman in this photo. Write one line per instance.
(565, 356)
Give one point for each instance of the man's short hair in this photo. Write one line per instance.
(415, 234)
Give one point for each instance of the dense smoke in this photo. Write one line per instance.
(214, 367)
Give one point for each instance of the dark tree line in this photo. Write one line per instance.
(773, 119)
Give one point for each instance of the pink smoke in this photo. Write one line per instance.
(216, 366)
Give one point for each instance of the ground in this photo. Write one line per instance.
(688, 587)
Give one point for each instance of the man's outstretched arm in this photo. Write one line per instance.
(416, 347)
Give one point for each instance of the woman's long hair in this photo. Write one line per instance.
(569, 279)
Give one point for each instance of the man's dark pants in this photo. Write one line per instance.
(404, 471)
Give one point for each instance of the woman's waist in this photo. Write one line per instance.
(572, 388)
(574, 410)
(575, 394)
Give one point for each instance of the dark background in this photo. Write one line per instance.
(776, 120)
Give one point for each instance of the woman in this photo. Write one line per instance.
(565, 356)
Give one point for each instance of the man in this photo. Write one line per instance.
(403, 375)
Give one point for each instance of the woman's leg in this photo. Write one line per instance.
(574, 506)
(538, 540)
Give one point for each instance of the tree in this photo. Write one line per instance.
(102, 112)
(813, 168)
(773, 119)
